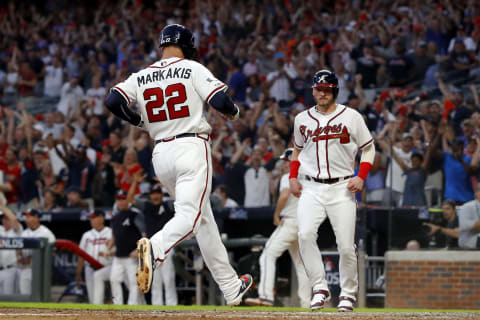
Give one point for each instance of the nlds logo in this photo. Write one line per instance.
(331, 273)
(11, 243)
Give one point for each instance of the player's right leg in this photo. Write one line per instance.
(168, 276)
(310, 215)
(276, 245)
(89, 282)
(116, 278)
(99, 278)
(216, 259)
(304, 290)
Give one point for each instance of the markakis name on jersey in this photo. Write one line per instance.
(337, 131)
(159, 75)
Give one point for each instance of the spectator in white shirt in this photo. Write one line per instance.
(95, 96)
(72, 94)
(53, 79)
(278, 83)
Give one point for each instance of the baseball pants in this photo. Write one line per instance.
(317, 202)
(285, 237)
(164, 279)
(125, 268)
(24, 276)
(184, 166)
(7, 280)
(95, 282)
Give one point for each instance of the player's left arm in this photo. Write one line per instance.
(364, 139)
(118, 105)
(366, 161)
(213, 91)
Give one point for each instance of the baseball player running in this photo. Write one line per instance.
(94, 242)
(170, 94)
(327, 138)
(284, 237)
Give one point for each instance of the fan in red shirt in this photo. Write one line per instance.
(11, 171)
(130, 167)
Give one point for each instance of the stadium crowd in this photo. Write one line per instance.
(409, 67)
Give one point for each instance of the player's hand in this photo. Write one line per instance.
(355, 184)
(232, 117)
(277, 221)
(295, 187)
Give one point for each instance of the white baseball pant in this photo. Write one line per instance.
(95, 282)
(184, 166)
(24, 276)
(284, 237)
(125, 269)
(7, 280)
(317, 202)
(164, 279)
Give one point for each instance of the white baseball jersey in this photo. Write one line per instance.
(169, 93)
(330, 141)
(40, 232)
(93, 242)
(290, 209)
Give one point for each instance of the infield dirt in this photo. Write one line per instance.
(73, 314)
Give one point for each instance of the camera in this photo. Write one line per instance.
(436, 240)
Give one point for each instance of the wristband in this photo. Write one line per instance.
(364, 168)
(294, 165)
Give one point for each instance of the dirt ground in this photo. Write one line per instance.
(45, 314)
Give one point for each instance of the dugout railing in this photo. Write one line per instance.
(41, 266)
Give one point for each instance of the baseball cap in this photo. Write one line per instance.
(121, 194)
(287, 154)
(96, 213)
(32, 213)
(156, 188)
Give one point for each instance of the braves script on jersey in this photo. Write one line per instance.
(168, 89)
(93, 242)
(330, 142)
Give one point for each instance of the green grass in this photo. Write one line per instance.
(79, 306)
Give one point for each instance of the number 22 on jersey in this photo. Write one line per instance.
(172, 96)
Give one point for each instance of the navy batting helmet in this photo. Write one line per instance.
(326, 79)
(176, 34)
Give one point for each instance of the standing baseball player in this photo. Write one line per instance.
(94, 242)
(24, 257)
(170, 94)
(284, 237)
(127, 226)
(327, 138)
(157, 213)
(10, 228)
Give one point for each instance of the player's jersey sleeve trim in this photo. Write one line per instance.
(161, 67)
(365, 144)
(214, 91)
(123, 94)
(296, 145)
